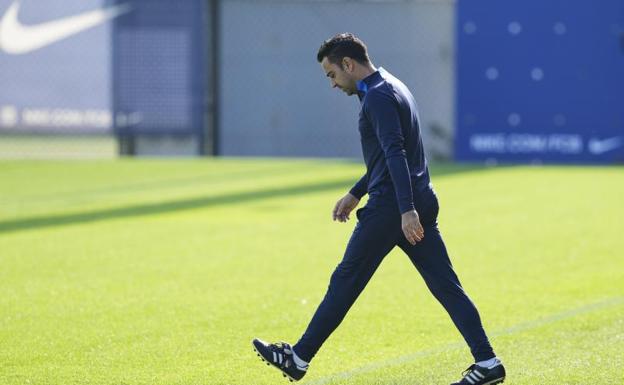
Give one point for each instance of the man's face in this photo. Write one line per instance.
(340, 76)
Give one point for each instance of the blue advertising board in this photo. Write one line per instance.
(540, 81)
(94, 66)
(55, 65)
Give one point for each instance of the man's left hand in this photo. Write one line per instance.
(413, 230)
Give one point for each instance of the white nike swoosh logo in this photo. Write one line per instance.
(601, 146)
(16, 38)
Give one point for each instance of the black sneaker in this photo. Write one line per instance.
(478, 375)
(279, 355)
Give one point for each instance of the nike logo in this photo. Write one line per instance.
(16, 38)
(598, 147)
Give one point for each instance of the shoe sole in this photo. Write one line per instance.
(270, 364)
(496, 381)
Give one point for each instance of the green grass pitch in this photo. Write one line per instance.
(160, 272)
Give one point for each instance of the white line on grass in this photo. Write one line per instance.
(523, 326)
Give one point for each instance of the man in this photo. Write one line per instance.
(401, 211)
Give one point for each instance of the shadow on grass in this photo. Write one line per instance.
(200, 202)
(166, 207)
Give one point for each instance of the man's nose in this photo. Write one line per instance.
(334, 84)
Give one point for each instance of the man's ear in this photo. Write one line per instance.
(347, 64)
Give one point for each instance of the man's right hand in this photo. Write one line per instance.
(343, 207)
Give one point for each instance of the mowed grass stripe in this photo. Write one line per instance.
(75, 186)
(527, 326)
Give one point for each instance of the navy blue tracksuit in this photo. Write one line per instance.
(397, 181)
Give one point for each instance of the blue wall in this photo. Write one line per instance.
(540, 81)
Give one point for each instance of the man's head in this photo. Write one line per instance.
(344, 59)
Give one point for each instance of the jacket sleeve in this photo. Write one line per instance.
(383, 113)
(361, 187)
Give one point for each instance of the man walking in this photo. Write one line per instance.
(401, 211)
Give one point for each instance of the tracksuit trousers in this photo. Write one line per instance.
(377, 232)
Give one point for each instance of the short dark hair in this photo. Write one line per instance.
(341, 46)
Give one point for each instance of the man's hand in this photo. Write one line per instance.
(343, 207)
(413, 230)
